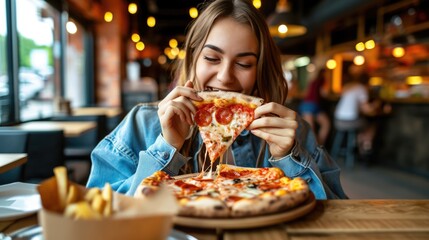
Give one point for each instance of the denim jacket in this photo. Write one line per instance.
(136, 149)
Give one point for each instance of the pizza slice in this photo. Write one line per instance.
(221, 117)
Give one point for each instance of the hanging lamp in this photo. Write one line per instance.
(283, 23)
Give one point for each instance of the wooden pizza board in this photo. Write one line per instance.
(248, 222)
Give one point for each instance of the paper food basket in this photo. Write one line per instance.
(133, 218)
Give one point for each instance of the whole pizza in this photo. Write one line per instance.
(231, 192)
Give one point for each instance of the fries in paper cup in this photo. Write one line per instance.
(71, 211)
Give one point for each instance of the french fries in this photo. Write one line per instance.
(62, 185)
(95, 204)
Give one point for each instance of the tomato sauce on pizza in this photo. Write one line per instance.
(221, 117)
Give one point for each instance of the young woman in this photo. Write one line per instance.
(228, 48)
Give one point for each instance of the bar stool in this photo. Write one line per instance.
(345, 141)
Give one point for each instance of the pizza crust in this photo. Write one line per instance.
(267, 204)
(219, 96)
(203, 206)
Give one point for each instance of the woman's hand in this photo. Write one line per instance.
(276, 124)
(175, 114)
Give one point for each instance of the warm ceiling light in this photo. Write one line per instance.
(132, 8)
(360, 46)
(359, 60)
(140, 46)
(331, 64)
(162, 59)
(282, 16)
(282, 29)
(173, 43)
(108, 16)
(414, 80)
(167, 51)
(193, 12)
(151, 21)
(375, 81)
(257, 4)
(135, 37)
(398, 52)
(182, 54)
(370, 44)
(71, 27)
(175, 51)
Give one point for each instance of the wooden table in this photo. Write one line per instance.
(71, 129)
(9, 161)
(331, 219)
(108, 111)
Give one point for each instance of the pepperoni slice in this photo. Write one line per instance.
(224, 115)
(203, 118)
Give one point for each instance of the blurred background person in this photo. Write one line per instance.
(354, 107)
(311, 108)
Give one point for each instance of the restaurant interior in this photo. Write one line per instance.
(71, 70)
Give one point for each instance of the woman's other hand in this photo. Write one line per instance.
(277, 125)
(175, 113)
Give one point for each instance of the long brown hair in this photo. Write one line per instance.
(270, 82)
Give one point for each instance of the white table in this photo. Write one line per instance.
(9, 161)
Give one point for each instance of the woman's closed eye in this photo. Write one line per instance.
(244, 65)
(211, 59)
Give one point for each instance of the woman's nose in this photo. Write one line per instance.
(225, 73)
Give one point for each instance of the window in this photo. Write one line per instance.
(41, 63)
(38, 26)
(4, 79)
(75, 84)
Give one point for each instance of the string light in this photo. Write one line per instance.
(71, 27)
(108, 16)
(140, 46)
(331, 64)
(135, 37)
(132, 8)
(370, 44)
(182, 54)
(173, 43)
(193, 12)
(257, 3)
(398, 52)
(151, 21)
(360, 46)
(359, 60)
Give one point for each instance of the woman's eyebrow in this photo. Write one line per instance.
(214, 48)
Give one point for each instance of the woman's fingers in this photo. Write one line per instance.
(277, 125)
(275, 131)
(274, 109)
(185, 91)
(273, 122)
